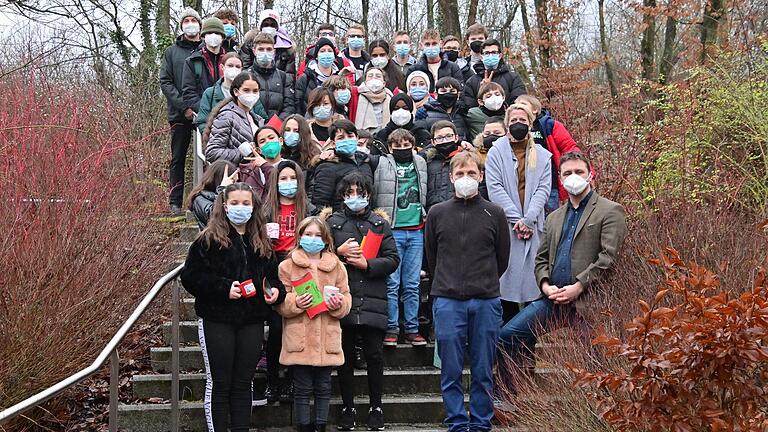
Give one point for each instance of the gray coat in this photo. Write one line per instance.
(385, 179)
(230, 128)
(518, 283)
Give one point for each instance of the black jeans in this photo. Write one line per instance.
(181, 134)
(373, 350)
(231, 353)
(274, 345)
(309, 381)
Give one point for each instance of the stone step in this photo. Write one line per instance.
(188, 232)
(186, 310)
(179, 248)
(412, 409)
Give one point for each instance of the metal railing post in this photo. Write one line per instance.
(114, 389)
(175, 358)
(198, 157)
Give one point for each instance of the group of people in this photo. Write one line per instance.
(333, 186)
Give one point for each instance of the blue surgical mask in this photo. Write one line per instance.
(264, 58)
(343, 96)
(432, 52)
(321, 112)
(311, 245)
(229, 30)
(239, 214)
(346, 147)
(291, 139)
(288, 188)
(491, 60)
(356, 43)
(402, 49)
(418, 93)
(325, 59)
(356, 203)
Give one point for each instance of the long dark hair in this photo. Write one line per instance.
(272, 203)
(395, 78)
(210, 180)
(240, 79)
(308, 147)
(217, 230)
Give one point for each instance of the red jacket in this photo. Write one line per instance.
(559, 142)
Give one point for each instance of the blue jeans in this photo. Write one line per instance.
(410, 247)
(519, 335)
(457, 322)
(554, 200)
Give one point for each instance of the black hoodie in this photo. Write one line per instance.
(508, 79)
(423, 137)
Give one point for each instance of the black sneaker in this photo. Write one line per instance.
(375, 419)
(286, 393)
(260, 398)
(347, 419)
(360, 359)
(271, 394)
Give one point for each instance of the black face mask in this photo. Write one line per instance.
(476, 46)
(489, 140)
(447, 148)
(518, 131)
(451, 55)
(447, 100)
(402, 155)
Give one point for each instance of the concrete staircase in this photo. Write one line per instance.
(411, 402)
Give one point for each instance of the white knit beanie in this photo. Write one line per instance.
(413, 75)
(190, 12)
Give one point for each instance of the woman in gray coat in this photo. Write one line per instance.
(519, 177)
(232, 122)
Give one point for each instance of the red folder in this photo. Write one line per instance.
(371, 244)
(275, 122)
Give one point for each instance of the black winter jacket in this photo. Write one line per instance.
(209, 272)
(467, 248)
(508, 79)
(368, 287)
(422, 135)
(202, 206)
(436, 112)
(304, 85)
(446, 69)
(193, 85)
(285, 59)
(275, 91)
(171, 74)
(328, 174)
(439, 186)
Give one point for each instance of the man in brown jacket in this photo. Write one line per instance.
(580, 244)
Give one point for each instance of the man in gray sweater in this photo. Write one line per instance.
(467, 248)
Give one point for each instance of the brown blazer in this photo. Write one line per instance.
(317, 341)
(596, 244)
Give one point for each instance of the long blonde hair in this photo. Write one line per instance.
(530, 147)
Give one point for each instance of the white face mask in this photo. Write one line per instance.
(269, 30)
(365, 150)
(231, 72)
(213, 40)
(494, 103)
(379, 62)
(191, 29)
(466, 187)
(375, 85)
(575, 184)
(400, 117)
(248, 99)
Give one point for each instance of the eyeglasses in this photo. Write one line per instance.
(445, 138)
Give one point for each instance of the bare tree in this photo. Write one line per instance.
(714, 11)
(668, 56)
(542, 21)
(528, 37)
(472, 12)
(648, 42)
(604, 48)
(431, 13)
(162, 19)
(246, 7)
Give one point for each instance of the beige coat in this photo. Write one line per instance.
(317, 341)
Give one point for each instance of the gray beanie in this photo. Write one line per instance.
(189, 12)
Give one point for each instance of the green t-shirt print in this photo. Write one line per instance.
(408, 209)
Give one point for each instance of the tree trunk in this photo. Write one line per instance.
(668, 56)
(713, 12)
(245, 11)
(472, 15)
(449, 18)
(366, 4)
(406, 24)
(430, 14)
(544, 36)
(528, 37)
(163, 21)
(269, 4)
(328, 11)
(604, 48)
(648, 43)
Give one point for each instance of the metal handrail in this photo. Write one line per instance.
(199, 161)
(110, 351)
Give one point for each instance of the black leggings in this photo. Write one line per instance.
(373, 349)
(231, 353)
(311, 381)
(274, 345)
